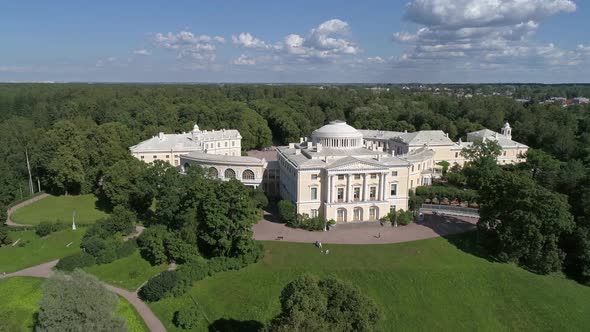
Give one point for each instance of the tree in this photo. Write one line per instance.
(152, 244)
(127, 183)
(287, 211)
(523, 222)
(312, 304)
(78, 302)
(4, 235)
(482, 162)
(66, 172)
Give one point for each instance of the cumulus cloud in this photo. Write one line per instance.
(244, 60)
(142, 52)
(189, 46)
(490, 33)
(328, 41)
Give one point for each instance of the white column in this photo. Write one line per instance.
(365, 186)
(384, 197)
(329, 188)
(348, 187)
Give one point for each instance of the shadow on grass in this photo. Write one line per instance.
(103, 204)
(234, 325)
(460, 232)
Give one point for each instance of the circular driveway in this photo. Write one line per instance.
(368, 232)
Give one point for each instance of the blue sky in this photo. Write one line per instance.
(296, 41)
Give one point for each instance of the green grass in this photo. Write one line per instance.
(20, 300)
(60, 208)
(128, 272)
(32, 250)
(421, 285)
(21, 297)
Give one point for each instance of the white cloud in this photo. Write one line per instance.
(244, 60)
(490, 33)
(327, 42)
(245, 39)
(105, 61)
(142, 52)
(196, 49)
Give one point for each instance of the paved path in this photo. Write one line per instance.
(9, 212)
(368, 232)
(45, 270)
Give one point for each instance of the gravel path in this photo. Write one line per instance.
(367, 232)
(45, 270)
(9, 212)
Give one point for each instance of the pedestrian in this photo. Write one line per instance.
(379, 235)
(320, 244)
(327, 251)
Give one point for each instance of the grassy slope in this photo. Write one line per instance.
(38, 250)
(60, 208)
(422, 285)
(20, 300)
(129, 272)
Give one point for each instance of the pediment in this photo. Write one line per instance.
(354, 164)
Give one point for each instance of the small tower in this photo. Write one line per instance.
(507, 131)
(195, 132)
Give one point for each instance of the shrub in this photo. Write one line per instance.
(79, 260)
(195, 271)
(187, 318)
(287, 211)
(4, 235)
(259, 198)
(159, 286)
(400, 216)
(152, 244)
(45, 228)
(180, 251)
(220, 264)
(126, 248)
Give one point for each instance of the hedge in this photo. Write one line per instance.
(79, 260)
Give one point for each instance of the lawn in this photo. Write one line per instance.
(421, 285)
(60, 208)
(128, 272)
(32, 250)
(20, 299)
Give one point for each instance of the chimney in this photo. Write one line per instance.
(291, 145)
(405, 131)
(318, 147)
(161, 135)
(300, 139)
(297, 152)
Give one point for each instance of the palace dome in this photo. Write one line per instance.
(337, 134)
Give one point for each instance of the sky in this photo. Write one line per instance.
(397, 41)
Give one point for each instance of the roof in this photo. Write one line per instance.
(379, 134)
(502, 140)
(336, 128)
(184, 141)
(327, 158)
(419, 155)
(425, 137)
(223, 159)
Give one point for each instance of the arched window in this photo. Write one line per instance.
(341, 215)
(213, 173)
(358, 214)
(248, 175)
(230, 174)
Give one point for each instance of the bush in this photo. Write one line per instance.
(448, 192)
(310, 224)
(179, 251)
(4, 235)
(287, 211)
(45, 228)
(79, 260)
(152, 244)
(220, 264)
(187, 318)
(159, 286)
(259, 198)
(400, 216)
(195, 271)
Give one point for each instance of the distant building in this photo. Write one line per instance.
(580, 101)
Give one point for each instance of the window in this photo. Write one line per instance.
(456, 154)
(412, 168)
(142, 157)
(213, 173)
(229, 174)
(341, 177)
(314, 176)
(340, 194)
(411, 183)
(419, 166)
(248, 175)
(393, 173)
(176, 163)
(226, 144)
(504, 153)
(357, 176)
(314, 213)
(373, 193)
(341, 215)
(373, 176)
(393, 191)
(167, 156)
(233, 143)
(356, 193)
(155, 157)
(218, 144)
(314, 194)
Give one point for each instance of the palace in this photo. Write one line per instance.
(349, 175)
(339, 173)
